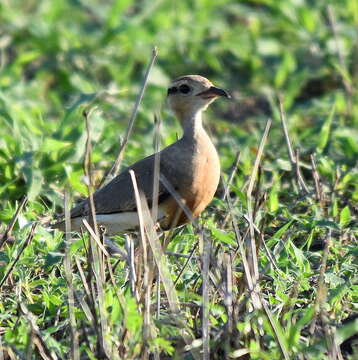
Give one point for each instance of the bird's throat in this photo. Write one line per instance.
(192, 124)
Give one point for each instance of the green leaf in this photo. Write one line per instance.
(134, 318)
(345, 217)
(299, 256)
(346, 331)
(287, 66)
(4, 258)
(284, 164)
(333, 279)
(282, 230)
(53, 258)
(35, 185)
(75, 179)
(325, 132)
(223, 236)
(295, 331)
(53, 145)
(338, 293)
(326, 224)
(273, 202)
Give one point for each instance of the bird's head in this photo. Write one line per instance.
(192, 93)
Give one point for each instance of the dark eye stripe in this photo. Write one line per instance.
(184, 89)
(172, 90)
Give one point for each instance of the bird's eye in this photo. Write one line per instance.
(172, 90)
(184, 89)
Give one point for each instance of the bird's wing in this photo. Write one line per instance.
(118, 195)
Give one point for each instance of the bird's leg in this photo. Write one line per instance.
(132, 273)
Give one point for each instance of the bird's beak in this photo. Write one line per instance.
(213, 92)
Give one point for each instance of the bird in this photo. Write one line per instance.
(189, 170)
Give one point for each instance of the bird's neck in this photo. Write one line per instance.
(192, 124)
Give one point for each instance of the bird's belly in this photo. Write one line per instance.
(116, 223)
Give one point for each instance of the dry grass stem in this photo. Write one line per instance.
(146, 273)
(95, 259)
(156, 172)
(241, 247)
(189, 257)
(87, 167)
(317, 182)
(269, 255)
(205, 295)
(95, 237)
(185, 256)
(252, 258)
(159, 258)
(159, 299)
(38, 338)
(293, 156)
(321, 293)
(177, 198)
(114, 170)
(285, 132)
(86, 309)
(258, 158)
(75, 353)
(301, 181)
(232, 175)
(10, 226)
(131, 265)
(24, 246)
(83, 278)
(278, 336)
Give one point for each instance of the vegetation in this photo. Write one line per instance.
(269, 271)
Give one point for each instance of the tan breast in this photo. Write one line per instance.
(200, 179)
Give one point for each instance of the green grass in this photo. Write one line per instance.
(59, 58)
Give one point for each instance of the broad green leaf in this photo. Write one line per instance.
(35, 184)
(222, 236)
(295, 331)
(273, 202)
(282, 230)
(346, 331)
(53, 258)
(345, 216)
(53, 145)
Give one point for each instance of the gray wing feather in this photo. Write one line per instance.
(118, 195)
